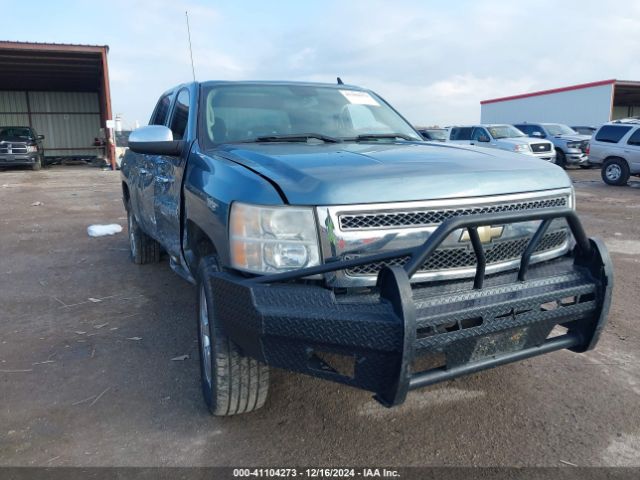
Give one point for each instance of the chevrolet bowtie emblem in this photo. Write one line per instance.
(486, 234)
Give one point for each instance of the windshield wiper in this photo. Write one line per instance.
(377, 136)
(297, 137)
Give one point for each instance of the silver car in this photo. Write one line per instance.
(616, 146)
(503, 137)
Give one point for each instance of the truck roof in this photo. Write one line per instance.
(211, 83)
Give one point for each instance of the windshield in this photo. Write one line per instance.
(15, 132)
(559, 129)
(437, 134)
(244, 113)
(505, 131)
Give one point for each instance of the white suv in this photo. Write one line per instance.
(616, 146)
(504, 137)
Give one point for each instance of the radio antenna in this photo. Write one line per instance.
(193, 70)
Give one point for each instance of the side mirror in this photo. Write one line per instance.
(155, 140)
(40, 137)
(483, 138)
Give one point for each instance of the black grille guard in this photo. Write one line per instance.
(266, 316)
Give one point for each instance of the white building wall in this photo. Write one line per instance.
(585, 106)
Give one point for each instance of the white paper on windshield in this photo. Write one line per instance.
(359, 98)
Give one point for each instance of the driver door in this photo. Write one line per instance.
(144, 173)
(168, 175)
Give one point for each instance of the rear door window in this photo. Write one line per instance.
(161, 111)
(180, 116)
(611, 133)
(634, 139)
(461, 133)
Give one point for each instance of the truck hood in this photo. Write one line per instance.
(573, 138)
(353, 173)
(520, 141)
(12, 140)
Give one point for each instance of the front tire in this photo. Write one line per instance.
(143, 248)
(37, 165)
(231, 382)
(615, 171)
(561, 158)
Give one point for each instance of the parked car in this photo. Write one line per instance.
(434, 134)
(571, 147)
(584, 129)
(503, 137)
(326, 237)
(21, 146)
(616, 147)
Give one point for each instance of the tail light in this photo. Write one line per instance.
(586, 150)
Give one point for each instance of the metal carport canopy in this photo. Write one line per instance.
(51, 67)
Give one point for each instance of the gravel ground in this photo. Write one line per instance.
(87, 377)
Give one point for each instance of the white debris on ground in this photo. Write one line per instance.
(102, 230)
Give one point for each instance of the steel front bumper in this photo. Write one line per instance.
(401, 338)
(577, 157)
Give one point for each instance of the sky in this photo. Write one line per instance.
(432, 60)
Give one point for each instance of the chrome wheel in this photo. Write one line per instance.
(613, 172)
(205, 336)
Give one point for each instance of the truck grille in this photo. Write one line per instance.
(540, 147)
(13, 148)
(451, 258)
(423, 218)
(584, 146)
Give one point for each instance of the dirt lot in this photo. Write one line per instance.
(87, 377)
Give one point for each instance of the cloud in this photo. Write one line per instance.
(434, 61)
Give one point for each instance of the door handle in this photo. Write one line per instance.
(161, 179)
(471, 143)
(143, 171)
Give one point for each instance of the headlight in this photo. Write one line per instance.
(574, 145)
(32, 148)
(272, 239)
(521, 148)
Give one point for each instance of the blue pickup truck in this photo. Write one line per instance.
(326, 237)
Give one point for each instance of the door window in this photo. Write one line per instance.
(611, 133)
(161, 111)
(634, 139)
(480, 133)
(180, 116)
(461, 133)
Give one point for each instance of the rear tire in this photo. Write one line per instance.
(615, 171)
(231, 382)
(143, 248)
(561, 158)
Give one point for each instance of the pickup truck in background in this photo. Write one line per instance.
(571, 147)
(326, 237)
(503, 137)
(21, 146)
(434, 134)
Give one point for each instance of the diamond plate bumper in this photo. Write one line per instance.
(377, 341)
